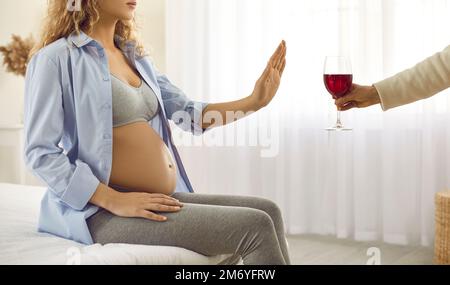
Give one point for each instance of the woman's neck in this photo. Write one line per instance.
(103, 32)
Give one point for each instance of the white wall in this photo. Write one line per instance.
(23, 17)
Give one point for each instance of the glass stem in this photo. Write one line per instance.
(338, 120)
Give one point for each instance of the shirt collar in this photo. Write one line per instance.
(81, 39)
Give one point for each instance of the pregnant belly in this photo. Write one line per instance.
(141, 160)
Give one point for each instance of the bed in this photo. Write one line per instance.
(20, 243)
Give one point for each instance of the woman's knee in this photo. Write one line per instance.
(256, 219)
(270, 207)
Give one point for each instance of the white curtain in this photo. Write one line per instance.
(375, 183)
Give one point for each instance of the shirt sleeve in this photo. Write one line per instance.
(179, 107)
(74, 183)
(422, 81)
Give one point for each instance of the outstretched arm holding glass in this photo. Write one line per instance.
(422, 81)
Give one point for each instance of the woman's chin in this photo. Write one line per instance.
(127, 17)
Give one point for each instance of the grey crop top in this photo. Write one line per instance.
(132, 104)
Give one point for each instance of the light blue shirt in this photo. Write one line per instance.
(68, 127)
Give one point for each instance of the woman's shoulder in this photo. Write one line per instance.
(54, 51)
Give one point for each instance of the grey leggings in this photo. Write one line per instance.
(247, 227)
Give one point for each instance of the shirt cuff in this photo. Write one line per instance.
(81, 187)
(195, 111)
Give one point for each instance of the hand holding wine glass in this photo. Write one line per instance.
(338, 78)
(358, 97)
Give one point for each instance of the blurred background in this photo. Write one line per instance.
(376, 183)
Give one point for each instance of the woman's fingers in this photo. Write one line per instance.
(282, 67)
(276, 62)
(268, 74)
(276, 53)
(165, 201)
(162, 207)
(280, 59)
(152, 216)
(159, 195)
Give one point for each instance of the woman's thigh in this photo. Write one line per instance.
(206, 229)
(259, 203)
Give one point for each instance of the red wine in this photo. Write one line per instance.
(338, 84)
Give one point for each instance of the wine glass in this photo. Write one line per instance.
(338, 78)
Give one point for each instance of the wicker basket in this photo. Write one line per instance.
(442, 237)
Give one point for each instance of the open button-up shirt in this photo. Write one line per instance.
(68, 101)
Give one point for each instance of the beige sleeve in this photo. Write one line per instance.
(424, 80)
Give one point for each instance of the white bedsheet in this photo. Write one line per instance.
(20, 243)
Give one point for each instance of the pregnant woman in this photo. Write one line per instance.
(117, 177)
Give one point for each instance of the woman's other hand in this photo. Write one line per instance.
(135, 204)
(358, 97)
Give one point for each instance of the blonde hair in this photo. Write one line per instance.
(61, 22)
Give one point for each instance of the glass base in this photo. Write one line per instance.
(339, 129)
(339, 126)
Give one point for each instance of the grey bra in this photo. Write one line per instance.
(132, 104)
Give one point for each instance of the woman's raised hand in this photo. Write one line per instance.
(267, 85)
